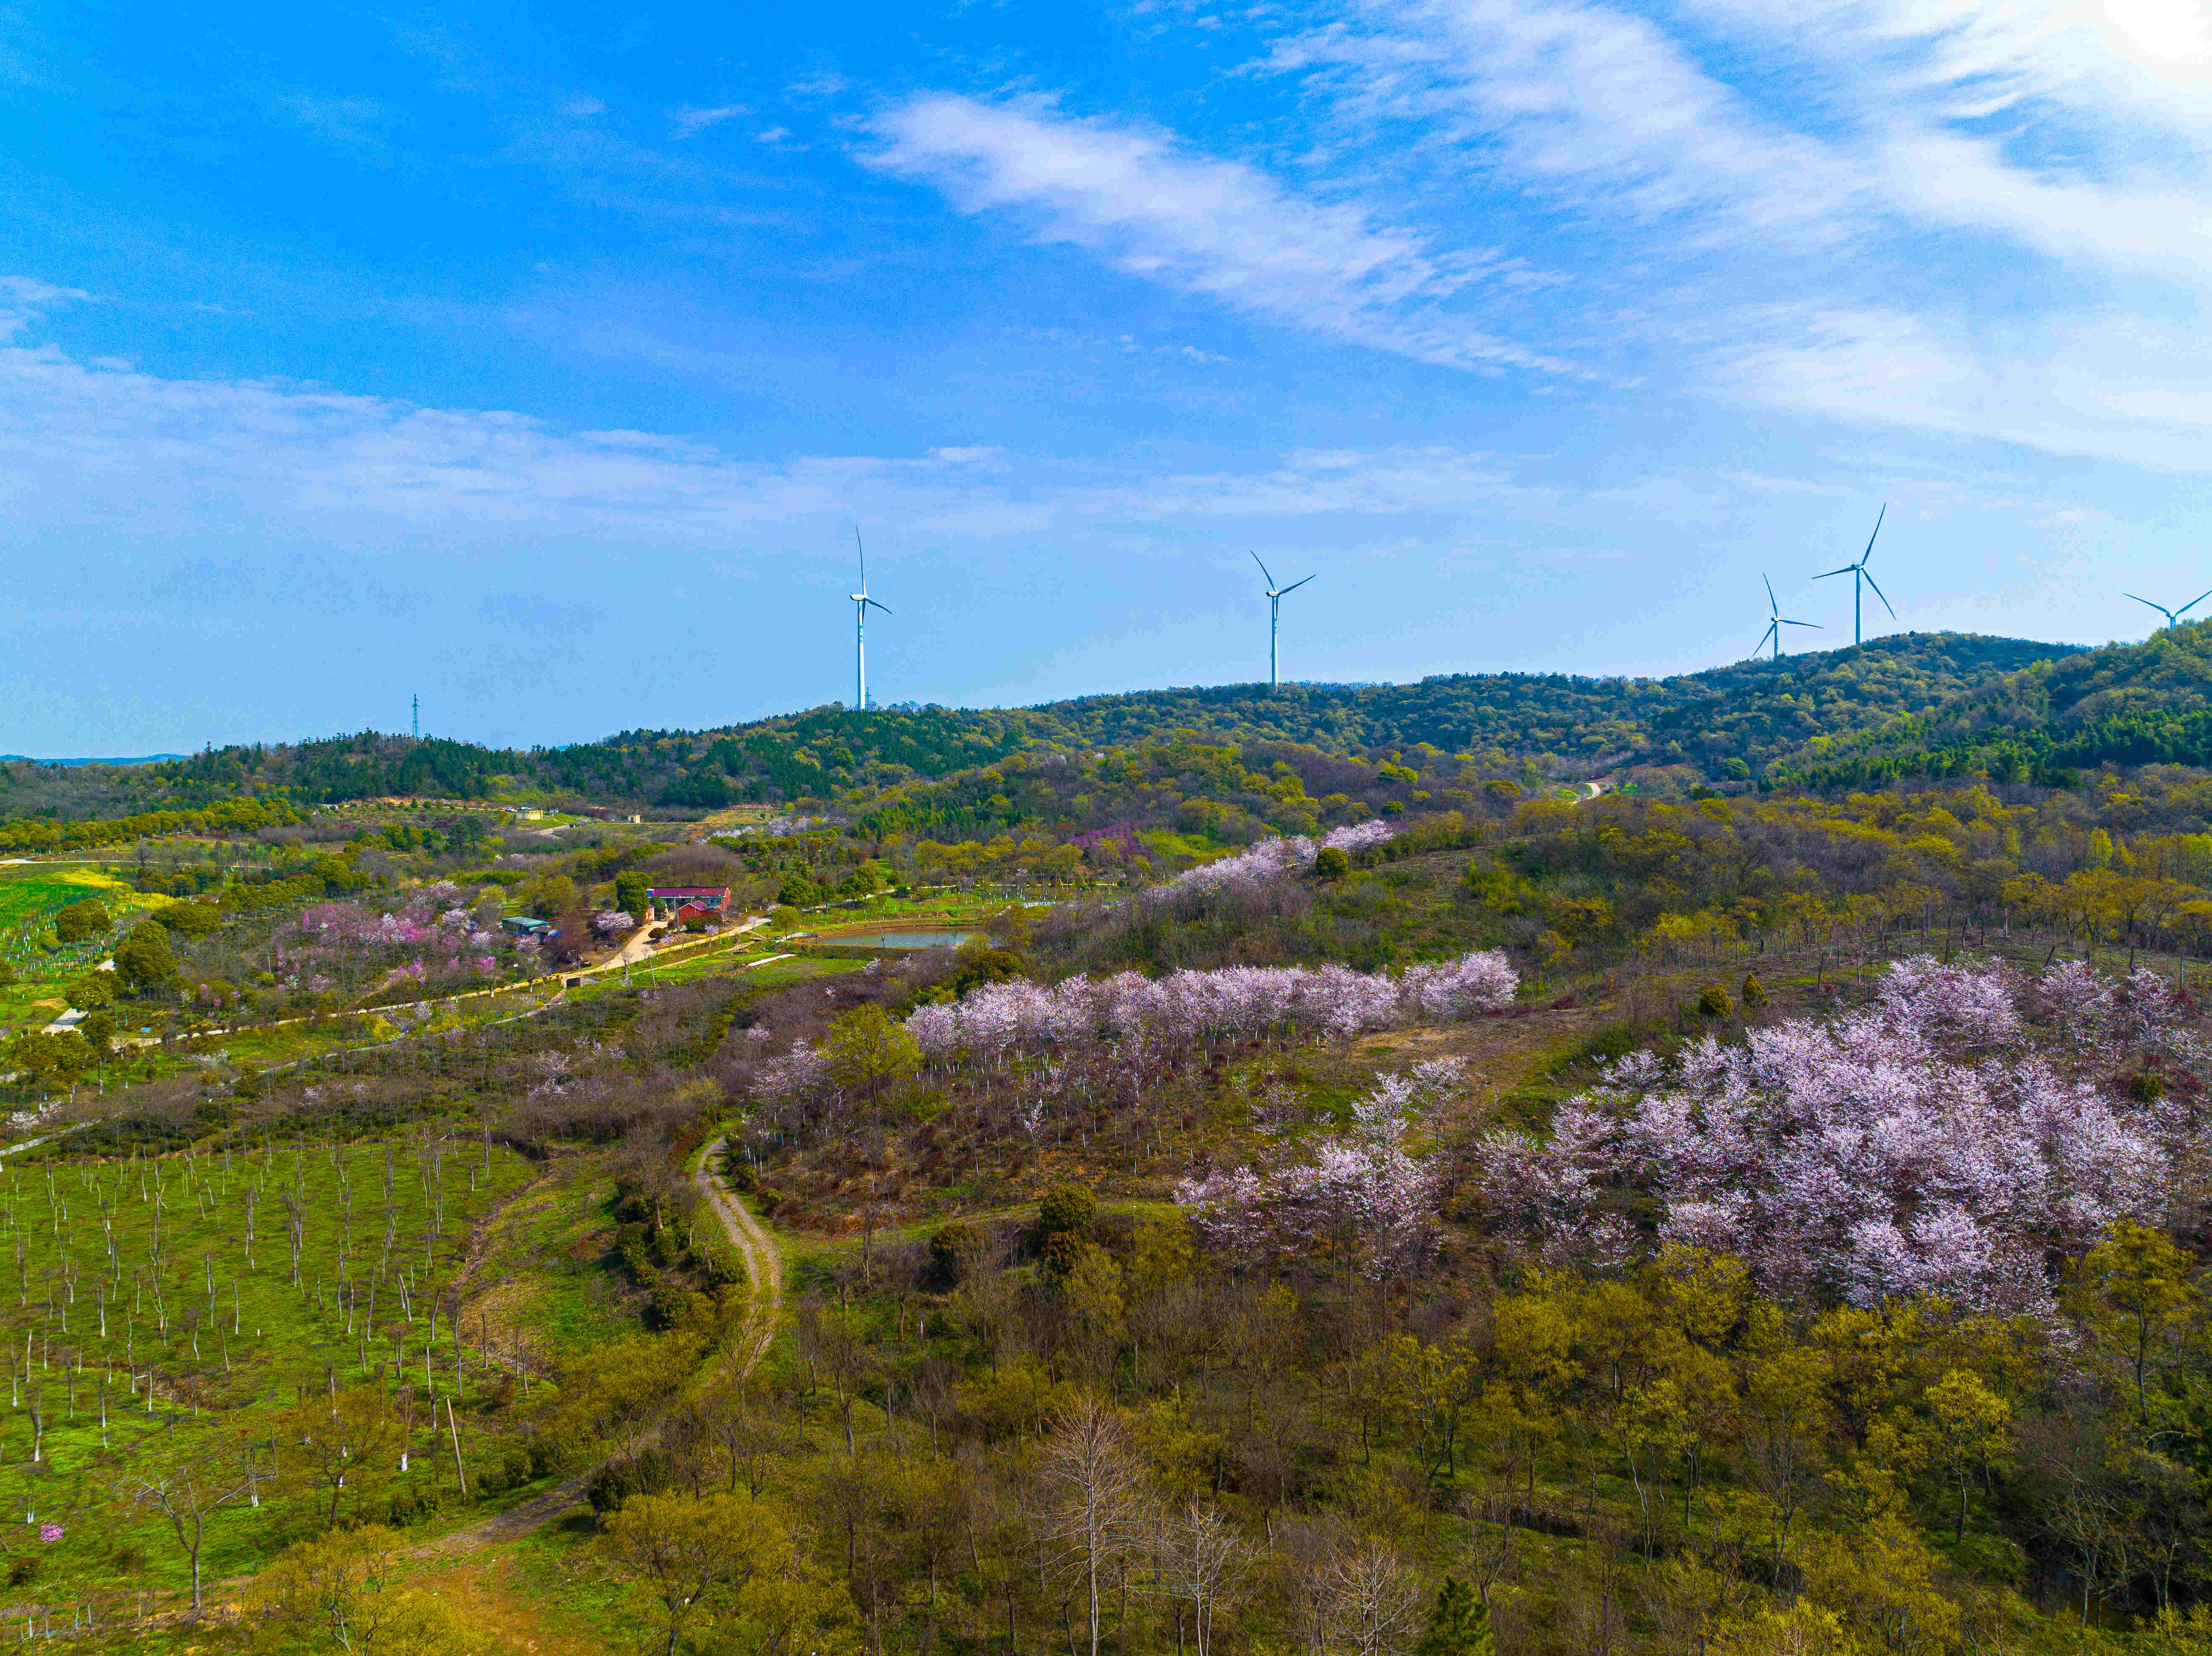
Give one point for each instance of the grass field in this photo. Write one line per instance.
(167, 1305)
(31, 893)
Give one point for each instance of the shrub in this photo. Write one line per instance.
(81, 920)
(190, 919)
(953, 1250)
(648, 1472)
(1332, 863)
(143, 958)
(92, 991)
(672, 1308)
(1715, 1003)
(1754, 991)
(1063, 1251)
(1067, 1210)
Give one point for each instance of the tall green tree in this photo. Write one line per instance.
(1460, 1624)
(143, 958)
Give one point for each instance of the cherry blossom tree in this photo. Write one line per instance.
(1364, 1197)
(1943, 1142)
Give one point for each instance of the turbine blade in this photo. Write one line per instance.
(1263, 568)
(1770, 603)
(1293, 587)
(2147, 604)
(1845, 570)
(1877, 592)
(2191, 604)
(862, 545)
(1786, 621)
(886, 608)
(1869, 553)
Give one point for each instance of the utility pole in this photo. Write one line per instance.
(416, 719)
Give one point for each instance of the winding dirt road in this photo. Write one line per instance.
(764, 1264)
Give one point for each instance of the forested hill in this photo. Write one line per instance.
(1755, 710)
(2129, 704)
(1731, 722)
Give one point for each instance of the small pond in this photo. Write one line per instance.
(904, 939)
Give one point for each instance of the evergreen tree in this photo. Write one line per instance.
(1459, 1625)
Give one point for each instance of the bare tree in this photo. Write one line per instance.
(185, 1479)
(1200, 1557)
(1095, 1493)
(1370, 1600)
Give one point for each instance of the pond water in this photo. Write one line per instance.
(904, 939)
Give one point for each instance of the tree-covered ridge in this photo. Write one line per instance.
(2129, 704)
(1729, 722)
(1754, 710)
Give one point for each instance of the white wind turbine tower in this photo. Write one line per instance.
(860, 603)
(1275, 594)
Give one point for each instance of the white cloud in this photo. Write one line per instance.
(349, 122)
(1196, 224)
(688, 123)
(1989, 218)
(24, 299)
(1583, 100)
(82, 445)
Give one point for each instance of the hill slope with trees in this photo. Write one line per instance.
(1731, 722)
(2126, 704)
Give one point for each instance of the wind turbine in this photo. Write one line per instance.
(860, 603)
(2173, 616)
(1274, 614)
(1775, 626)
(1857, 572)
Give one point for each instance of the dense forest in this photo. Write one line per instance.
(1730, 724)
(2148, 703)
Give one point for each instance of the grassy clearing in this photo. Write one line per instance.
(30, 896)
(541, 1276)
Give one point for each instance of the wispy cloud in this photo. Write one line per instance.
(1598, 107)
(1989, 218)
(690, 123)
(24, 299)
(351, 124)
(80, 444)
(1199, 224)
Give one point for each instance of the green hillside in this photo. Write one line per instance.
(1729, 722)
(2128, 704)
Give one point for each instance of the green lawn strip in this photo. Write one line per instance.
(545, 1264)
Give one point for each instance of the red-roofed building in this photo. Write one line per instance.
(670, 901)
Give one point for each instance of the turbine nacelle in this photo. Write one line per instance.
(1857, 572)
(2173, 616)
(1776, 621)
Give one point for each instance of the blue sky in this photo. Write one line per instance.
(542, 360)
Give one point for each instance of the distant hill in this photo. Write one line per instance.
(1730, 722)
(142, 759)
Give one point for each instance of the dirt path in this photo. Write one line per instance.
(763, 1262)
(764, 1277)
